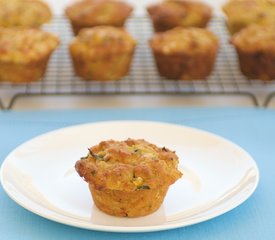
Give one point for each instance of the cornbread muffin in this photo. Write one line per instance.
(24, 13)
(179, 13)
(255, 46)
(24, 54)
(102, 53)
(242, 13)
(128, 178)
(91, 13)
(185, 53)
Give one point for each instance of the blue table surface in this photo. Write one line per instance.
(252, 129)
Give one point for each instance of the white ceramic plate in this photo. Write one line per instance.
(217, 176)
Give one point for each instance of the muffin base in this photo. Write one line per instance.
(165, 25)
(23, 73)
(257, 65)
(128, 204)
(76, 27)
(234, 27)
(184, 66)
(111, 67)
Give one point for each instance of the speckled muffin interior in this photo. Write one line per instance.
(128, 178)
(179, 13)
(24, 13)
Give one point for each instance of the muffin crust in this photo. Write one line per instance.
(255, 46)
(24, 13)
(128, 178)
(179, 13)
(24, 54)
(91, 13)
(183, 53)
(102, 53)
(242, 13)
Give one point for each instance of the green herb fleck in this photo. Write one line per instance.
(143, 187)
(97, 157)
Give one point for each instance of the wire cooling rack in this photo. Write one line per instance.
(143, 77)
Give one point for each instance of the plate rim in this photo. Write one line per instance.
(127, 229)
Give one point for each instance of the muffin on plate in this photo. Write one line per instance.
(24, 13)
(185, 53)
(24, 54)
(179, 13)
(128, 178)
(255, 46)
(242, 13)
(91, 13)
(102, 53)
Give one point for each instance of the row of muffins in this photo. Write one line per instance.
(183, 49)
(102, 53)
(165, 15)
(190, 53)
(105, 53)
(252, 25)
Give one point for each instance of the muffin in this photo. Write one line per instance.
(91, 13)
(242, 13)
(185, 53)
(24, 54)
(179, 13)
(255, 46)
(102, 53)
(128, 178)
(24, 13)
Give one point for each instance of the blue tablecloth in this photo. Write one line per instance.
(252, 129)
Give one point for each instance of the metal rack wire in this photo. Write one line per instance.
(143, 77)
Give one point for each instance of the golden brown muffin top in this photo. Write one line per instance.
(180, 12)
(24, 13)
(99, 40)
(25, 45)
(245, 12)
(255, 38)
(98, 12)
(183, 40)
(128, 165)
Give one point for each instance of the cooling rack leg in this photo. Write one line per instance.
(13, 100)
(268, 99)
(253, 98)
(1, 105)
(245, 94)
